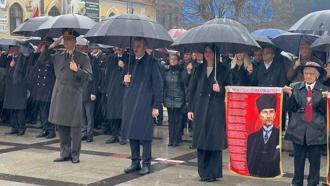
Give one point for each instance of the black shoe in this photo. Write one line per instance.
(42, 134)
(211, 180)
(191, 147)
(12, 132)
(62, 159)
(74, 161)
(83, 138)
(112, 140)
(123, 142)
(89, 139)
(51, 135)
(21, 133)
(133, 168)
(170, 145)
(291, 154)
(145, 170)
(175, 144)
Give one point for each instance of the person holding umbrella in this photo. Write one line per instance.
(294, 74)
(240, 68)
(307, 126)
(142, 98)
(207, 111)
(72, 69)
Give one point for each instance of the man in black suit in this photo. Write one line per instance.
(263, 152)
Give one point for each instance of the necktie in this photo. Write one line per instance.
(266, 137)
(309, 105)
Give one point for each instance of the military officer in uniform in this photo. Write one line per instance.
(43, 79)
(72, 69)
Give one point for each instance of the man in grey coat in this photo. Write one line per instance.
(72, 69)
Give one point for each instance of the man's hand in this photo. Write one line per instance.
(121, 64)
(12, 63)
(191, 116)
(216, 87)
(73, 66)
(93, 97)
(127, 78)
(287, 90)
(297, 63)
(155, 113)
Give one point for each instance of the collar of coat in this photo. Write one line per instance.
(318, 86)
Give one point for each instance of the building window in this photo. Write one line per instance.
(53, 11)
(16, 16)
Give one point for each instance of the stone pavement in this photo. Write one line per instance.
(26, 161)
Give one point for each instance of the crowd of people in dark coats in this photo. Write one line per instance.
(187, 86)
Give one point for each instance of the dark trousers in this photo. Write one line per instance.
(17, 120)
(70, 141)
(313, 153)
(32, 111)
(135, 151)
(99, 111)
(43, 108)
(174, 125)
(209, 164)
(115, 126)
(88, 119)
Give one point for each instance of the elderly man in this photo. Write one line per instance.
(72, 69)
(263, 153)
(307, 126)
(142, 98)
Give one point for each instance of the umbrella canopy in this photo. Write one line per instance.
(29, 27)
(175, 33)
(264, 42)
(226, 21)
(119, 30)
(290, 42)
(9, 42)
(315, 23)
(269, 33)
(227, 38)
(54, 26)
(321, 44)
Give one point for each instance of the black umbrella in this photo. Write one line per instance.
(314, 23)
(9, 42)
(54, 26)
(227, 39)
(264, 42)
(119, 30)
(321, 44)
(290, 42)
(29, 27)
(226, 21)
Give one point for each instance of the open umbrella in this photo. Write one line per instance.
(264, 42)
(54, 26)
(314, 23)
(269, 33)
(226, 21)
(29, 27)
(119, 31)
(290, 42)
(175, 33)
(321, 44)
(227, 39)
(9, 42)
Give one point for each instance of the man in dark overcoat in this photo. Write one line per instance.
(142, 98)
(115, 93)
(16, 93)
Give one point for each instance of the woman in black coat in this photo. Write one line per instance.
(240, 68)
(206, 108)
(174, 99)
